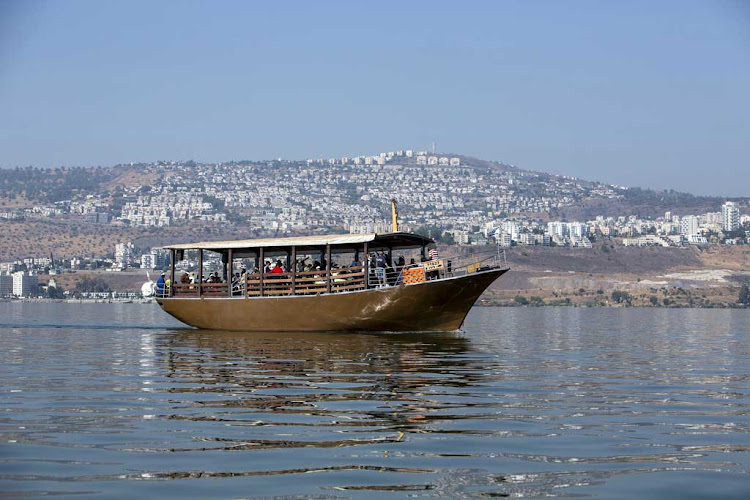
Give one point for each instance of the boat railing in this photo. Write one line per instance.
(436, 269)
(305, 282)
(279, 284)
(342, 279)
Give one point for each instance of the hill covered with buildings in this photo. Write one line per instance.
(117, 217)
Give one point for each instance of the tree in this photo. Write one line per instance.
(54, 292)
(521, 300)
(448, 239)
(745, 295)
(620, 297)
(87, 284)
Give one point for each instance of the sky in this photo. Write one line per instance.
(653, 94)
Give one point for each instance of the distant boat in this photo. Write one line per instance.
(431, 295)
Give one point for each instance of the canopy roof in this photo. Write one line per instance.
(376, 241)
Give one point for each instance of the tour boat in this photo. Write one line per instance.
(429, 294)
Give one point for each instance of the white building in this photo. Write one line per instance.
(689, 225)
(123, 255)
(512, 228)
(24, 285)
(577, 230)
(696, 239)
(148, 261)
(731, 212)
(559, 229)
(503, 239)
(460, 237)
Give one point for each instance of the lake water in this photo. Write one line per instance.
(121, 401)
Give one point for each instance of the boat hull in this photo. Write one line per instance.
(439, 305)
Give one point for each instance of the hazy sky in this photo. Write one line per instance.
(641, 93)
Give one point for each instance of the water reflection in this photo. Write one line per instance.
(326, 389)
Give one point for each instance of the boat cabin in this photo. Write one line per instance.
(240, 265)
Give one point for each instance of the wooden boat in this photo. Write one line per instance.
(432, 295)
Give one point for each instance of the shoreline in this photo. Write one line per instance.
(482, 302)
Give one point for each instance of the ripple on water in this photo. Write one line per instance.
(525, 402)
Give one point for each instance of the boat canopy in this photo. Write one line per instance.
(337, 241)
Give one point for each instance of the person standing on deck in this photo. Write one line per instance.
(380, 269)
(160, 285)
(432, 254)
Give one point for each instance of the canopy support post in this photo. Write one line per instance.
(328, 268)
(366, 266)
(261, 263)
(200, 273)
(230, 273)
(172, 254)
(294, 269)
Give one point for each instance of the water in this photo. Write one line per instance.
(120, 401)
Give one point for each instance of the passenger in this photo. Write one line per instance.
(433, 256)
(161, 285)
(320, 276)
(277, 269)
(380, 269)
(433, 253)
(400, 263)
(301, 264)
(371, 265)
(399, 268)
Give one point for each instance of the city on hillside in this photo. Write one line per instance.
(454, 199)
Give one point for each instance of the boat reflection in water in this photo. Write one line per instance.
(315, 389)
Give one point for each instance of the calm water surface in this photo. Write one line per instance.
(120, 401)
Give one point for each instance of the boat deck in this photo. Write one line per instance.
(336, 280)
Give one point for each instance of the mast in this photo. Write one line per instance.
(394, 216)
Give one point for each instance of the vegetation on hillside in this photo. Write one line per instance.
(51, 185)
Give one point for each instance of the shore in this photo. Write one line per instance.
(608, 275)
